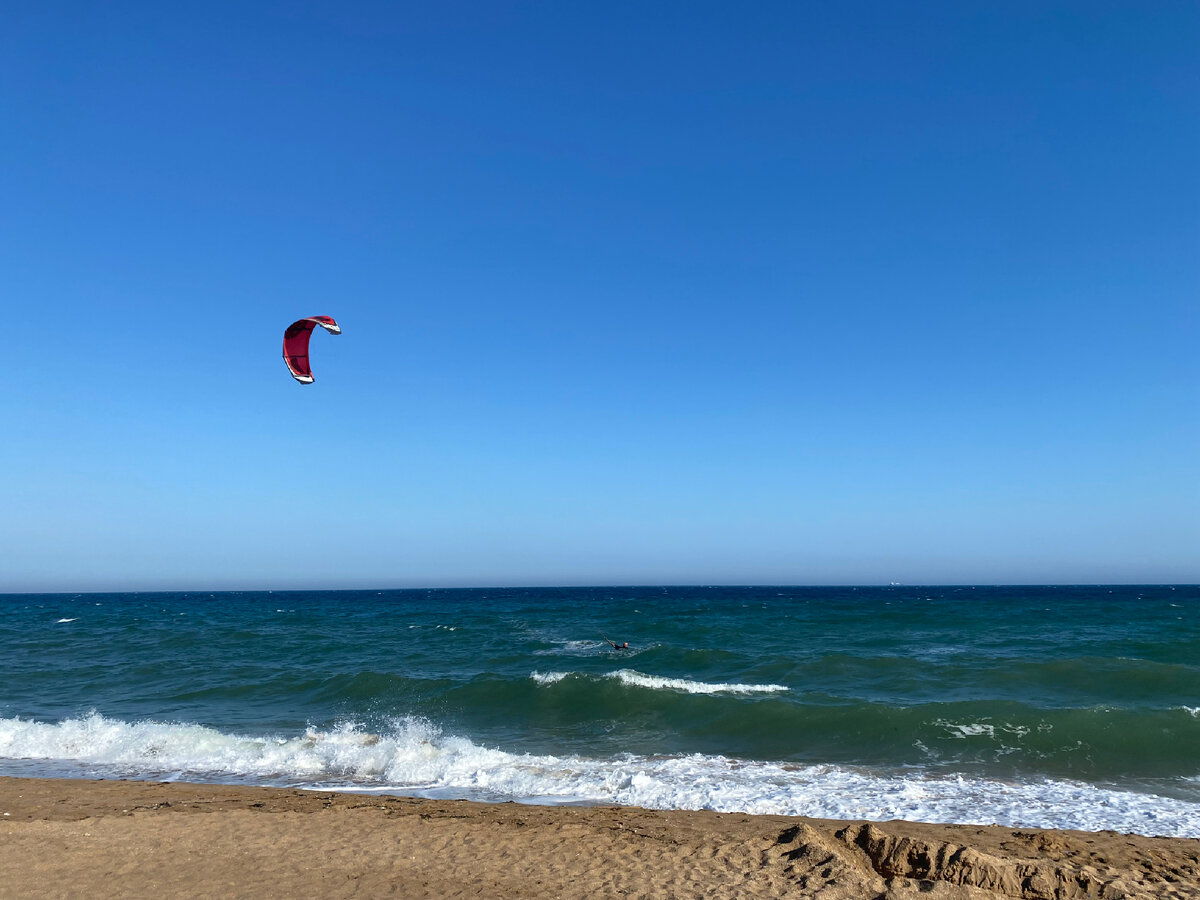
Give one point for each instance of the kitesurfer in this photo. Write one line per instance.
(615, 646)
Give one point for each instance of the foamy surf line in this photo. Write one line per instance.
(415, 758)
(659, 683)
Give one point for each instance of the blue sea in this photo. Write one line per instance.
(1060, 707)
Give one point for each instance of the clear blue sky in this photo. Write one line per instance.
(631, 293)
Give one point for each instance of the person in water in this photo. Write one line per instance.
(624, 646)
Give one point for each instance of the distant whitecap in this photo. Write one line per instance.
(655, 682)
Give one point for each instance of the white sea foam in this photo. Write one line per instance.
(981, 729)
(62, 621)
(655, 682)
(658, 683)
(972, 730)
(571, 648)
(414, 757)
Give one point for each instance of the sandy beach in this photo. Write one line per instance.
(63, 838)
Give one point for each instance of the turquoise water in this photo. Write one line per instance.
(1052, 706)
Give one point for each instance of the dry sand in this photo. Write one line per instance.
(99, 839)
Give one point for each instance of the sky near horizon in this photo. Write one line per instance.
(631, 293)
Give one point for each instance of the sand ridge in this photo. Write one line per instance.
(63, 838)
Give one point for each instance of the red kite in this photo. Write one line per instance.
(295, 345)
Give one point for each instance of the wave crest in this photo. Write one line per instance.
(414, 757)
(687, 686)
(634, 678)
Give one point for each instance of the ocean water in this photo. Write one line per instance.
(1065, 707)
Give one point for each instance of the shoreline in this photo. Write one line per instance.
(113, 838)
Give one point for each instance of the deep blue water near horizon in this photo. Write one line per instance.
(1034, 706)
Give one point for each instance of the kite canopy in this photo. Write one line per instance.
(295, 345)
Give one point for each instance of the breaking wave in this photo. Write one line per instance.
(414, 757)
(633, 678)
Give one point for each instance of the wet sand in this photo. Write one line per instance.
(97, 839)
